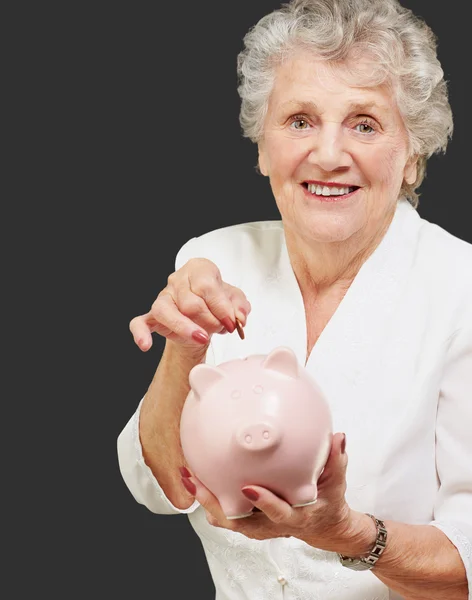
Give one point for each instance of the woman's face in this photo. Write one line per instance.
(322, 136)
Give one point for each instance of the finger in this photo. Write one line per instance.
(334, 473)
(209, 287)
(242, 306)
(168, 321)
(205, 497)
(211, 519)
(224, 302)
(195, 308)
(141, 331)
(276, 509)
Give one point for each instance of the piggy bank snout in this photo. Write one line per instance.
(258, 435)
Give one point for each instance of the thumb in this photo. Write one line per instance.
(334, 473)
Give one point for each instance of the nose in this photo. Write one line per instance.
(329, 151)
(258, 436)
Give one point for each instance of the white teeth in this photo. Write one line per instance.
(324, 190)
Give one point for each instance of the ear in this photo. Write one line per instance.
(203, 377)
(410, 171)
(282, 360)
(262, 160)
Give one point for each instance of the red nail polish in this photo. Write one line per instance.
(185, 472)
(189, 486)
(200, 337)
(343, 444)
(251, 494)
(229, 325)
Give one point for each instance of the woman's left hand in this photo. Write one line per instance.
(322, 524)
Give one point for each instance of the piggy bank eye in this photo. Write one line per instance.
(235, 394)
(258, 389)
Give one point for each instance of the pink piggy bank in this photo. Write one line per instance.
(260, 420)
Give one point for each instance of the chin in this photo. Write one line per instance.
(330, 239)
(329, 231)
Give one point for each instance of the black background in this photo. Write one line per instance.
(139, 106)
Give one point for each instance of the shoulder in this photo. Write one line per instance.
(443, 253)
(444, 267)
(235, 247)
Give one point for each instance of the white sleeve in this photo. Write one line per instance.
(453, 506)
(137, 475)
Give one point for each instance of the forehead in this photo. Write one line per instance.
(304, 79)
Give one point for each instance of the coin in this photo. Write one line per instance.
(240, 329)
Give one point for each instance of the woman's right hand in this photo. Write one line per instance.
(195, 304)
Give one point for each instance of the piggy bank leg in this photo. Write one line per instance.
(236, 508)
(302, 496)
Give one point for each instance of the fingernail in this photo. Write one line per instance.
(228, 323)
(241, 316)
(185, 472)
(200, 337)
(189, 486)
(343, 444)
(251, 494)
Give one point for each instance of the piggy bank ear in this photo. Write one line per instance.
(203, 377)
(282, 360)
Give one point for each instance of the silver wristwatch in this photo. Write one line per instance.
(365, 563)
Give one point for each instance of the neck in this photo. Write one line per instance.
(323, 266)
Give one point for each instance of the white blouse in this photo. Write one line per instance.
(395, 362)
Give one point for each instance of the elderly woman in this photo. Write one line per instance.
(346, 101)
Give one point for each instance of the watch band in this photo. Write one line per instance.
(368, 562)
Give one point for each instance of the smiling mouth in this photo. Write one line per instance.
(331, 192)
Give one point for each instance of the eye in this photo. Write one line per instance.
(365, 126)
(298, 122)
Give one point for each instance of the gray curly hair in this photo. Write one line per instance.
(402, 47)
